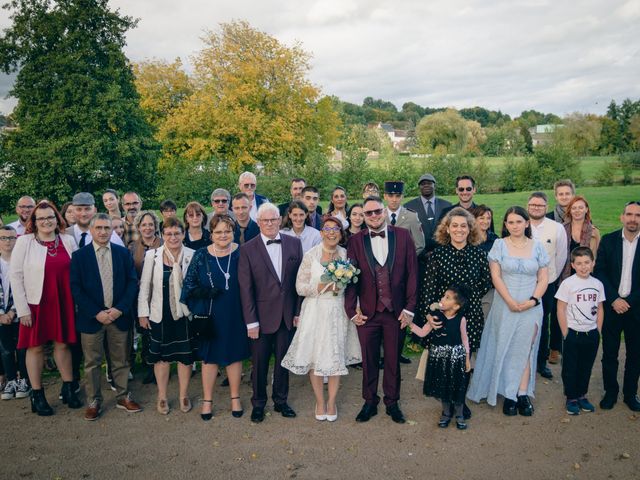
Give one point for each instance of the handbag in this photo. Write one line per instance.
(203, 326)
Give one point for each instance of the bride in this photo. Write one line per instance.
(325, 341)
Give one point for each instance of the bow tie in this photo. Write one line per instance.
(269, 242)
(381, 234)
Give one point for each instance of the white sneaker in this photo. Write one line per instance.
(23, 389)
(9, 391)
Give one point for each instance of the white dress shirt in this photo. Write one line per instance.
(628, 254)
(253, 213)
(380, 246)
(77, 234)
(556, 247)
(18, 227)
(310, 237)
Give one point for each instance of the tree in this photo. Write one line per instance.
(252, 104)
(504, 140)
(447, 132)
(581, 131)
(80, 126)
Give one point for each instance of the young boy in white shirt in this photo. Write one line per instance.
(580, 315)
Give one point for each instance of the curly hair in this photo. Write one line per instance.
(442, 235)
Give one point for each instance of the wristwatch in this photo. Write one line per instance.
(537, 300)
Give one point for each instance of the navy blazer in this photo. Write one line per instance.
(86, 287)
(608, 269)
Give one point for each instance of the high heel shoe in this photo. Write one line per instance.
(207, 416)
(236, 413)
(185, 405)
(69, 396)
(332, 418)
(163, 406)
(321, 417)
(39, 403)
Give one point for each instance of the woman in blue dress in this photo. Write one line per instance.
(211, 285)
(509, 343)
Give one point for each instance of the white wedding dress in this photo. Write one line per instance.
(326, 341)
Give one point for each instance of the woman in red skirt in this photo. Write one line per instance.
(42, 295)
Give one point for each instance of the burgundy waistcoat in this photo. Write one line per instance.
(383, 285)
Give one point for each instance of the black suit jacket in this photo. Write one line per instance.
(250, 232)
(428, 225)
(86, 287)
(608, 270)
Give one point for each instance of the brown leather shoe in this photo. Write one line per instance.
(93, 411)
(554, 357)
(127, 403)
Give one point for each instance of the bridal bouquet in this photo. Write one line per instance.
(340, 272)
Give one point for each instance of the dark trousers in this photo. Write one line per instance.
(76, 357)
(579, 351)
(12, 359)
(382, 328)
(261, 350)
(612, 328)
(549, 323)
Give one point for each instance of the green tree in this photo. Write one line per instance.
(252, 104)
(443, 132)
(80, 126)
(582, 132)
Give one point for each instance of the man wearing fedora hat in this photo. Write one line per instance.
(429, 208)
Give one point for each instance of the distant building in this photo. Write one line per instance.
(398, 137)
(543, 134)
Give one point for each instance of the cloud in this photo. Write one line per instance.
(511, 55)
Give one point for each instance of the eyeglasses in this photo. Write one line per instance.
(220, 200)
(7, 239)
(331, 229)
(172, 234)
(270, 220)
(371, 213)
(249, 185)
(223, 232)
(465, 189)
(535, 205)
(50, 218)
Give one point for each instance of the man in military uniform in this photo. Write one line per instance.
(400, 216)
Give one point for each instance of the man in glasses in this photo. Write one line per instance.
(554, 239)
(24, 207)
(131, 204)
(247, 184)
(380, 303)
(465, 189)
(618, 268)
(267, 270)
(221, 203)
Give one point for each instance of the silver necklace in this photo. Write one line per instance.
(226, 274)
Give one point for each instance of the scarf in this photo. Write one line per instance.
(585, 241)
(558, 214)
(178, 309)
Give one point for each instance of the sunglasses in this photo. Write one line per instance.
(371, 213)
(220, 200)
(249, 185)
(465, 189)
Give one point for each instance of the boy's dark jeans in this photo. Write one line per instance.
(579, 351)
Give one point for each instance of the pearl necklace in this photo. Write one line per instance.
(226, 274)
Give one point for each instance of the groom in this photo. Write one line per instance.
(267, 270)
(386, 291)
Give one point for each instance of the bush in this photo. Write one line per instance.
(606, 174)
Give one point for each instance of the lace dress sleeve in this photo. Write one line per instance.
(304, 284)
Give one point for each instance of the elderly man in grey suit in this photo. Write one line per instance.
(429, 208)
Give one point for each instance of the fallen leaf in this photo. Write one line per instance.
(411, 422)
(565, 420)
(576, 466)
(625, 455)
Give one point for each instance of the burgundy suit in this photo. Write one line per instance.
(273, 304)
(382, 326)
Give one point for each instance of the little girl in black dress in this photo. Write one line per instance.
(448, 361)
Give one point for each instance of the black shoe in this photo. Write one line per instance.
(75, 387)
(608, 401)
(257, 414)
(466, 411)
(367, 412)
(69, 396)
(633, 403)
(225, 382)
(524, 406)
(545, 372)
(207, 416)
(39, 403)
(285, 410)
(149, 377)
(444, 421)
(509, 407)
(460, 423)
(237, 413)
(405, 360)
(395, 413)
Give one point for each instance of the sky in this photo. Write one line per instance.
(510, 55)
